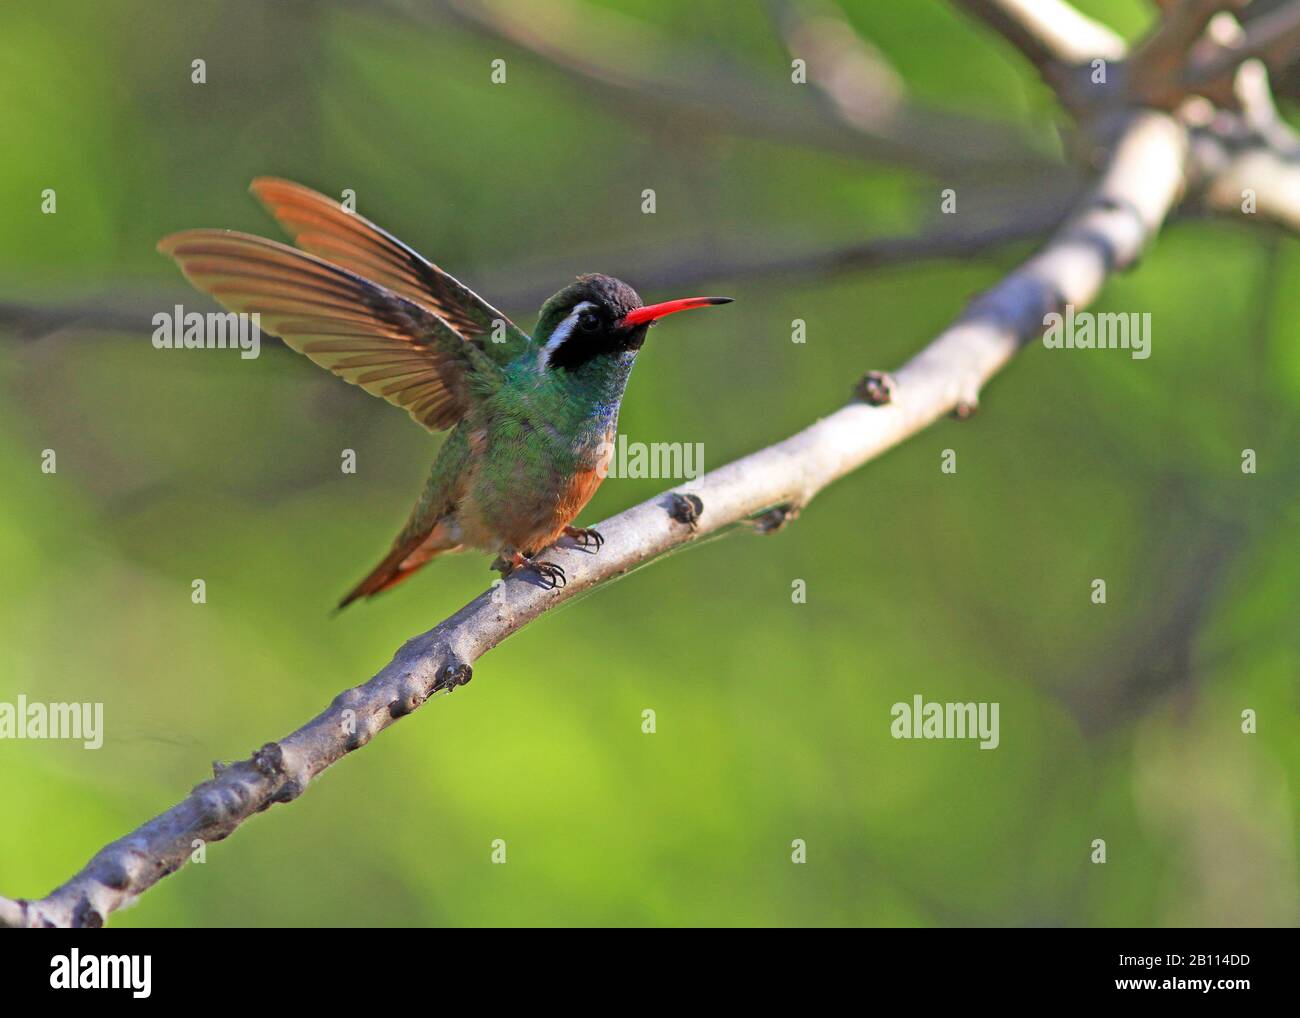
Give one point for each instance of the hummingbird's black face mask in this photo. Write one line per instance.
(586, 320)
(599, 316)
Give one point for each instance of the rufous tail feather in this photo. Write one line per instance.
(399, 564)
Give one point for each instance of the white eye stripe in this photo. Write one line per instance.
(562, 332)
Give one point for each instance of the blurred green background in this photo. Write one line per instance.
(1119, 721)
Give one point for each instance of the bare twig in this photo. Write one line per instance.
(1245, 159)
(1167, 49)
(675, 267)
(1161, 63)
(1142, 180)
(12, 914)
(1050, 33)
(522, 286)
(854, 76)
(1273, 183)
(1248, 163)
(1273, 38)
(621, 60)
(1063, 45)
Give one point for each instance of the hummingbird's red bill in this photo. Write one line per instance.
(653, 312)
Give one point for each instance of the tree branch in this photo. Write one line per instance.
(1049, 33)
(853, 76)
(1166, 50)
(1239, 145)
(1273, 38)
(1255, 153)
(620, 60)
(523, 286)
(674, 267)
(1142, 180)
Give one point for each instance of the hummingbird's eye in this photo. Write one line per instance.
(588, 321)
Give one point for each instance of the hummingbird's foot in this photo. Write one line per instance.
(585, 537)
(551, 575)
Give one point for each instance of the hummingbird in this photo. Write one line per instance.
(532, 418)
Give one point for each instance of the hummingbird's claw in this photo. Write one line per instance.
(551, 574)
(585, 537)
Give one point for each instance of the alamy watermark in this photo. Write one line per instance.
(922, 720)
(665, 461)
(77, 971)
(1108, 330)
(23, 720)
(192, 330)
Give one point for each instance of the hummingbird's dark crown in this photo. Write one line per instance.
(613, 293)
(581, 322)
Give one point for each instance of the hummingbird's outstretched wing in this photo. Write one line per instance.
(322, 226)
(363, 332)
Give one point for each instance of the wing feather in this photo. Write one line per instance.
(366, 333)
(322, 226)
